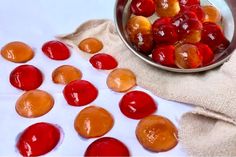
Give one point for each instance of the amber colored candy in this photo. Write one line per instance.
(157, 133)
(107, 146)
(91, 45)
(80, 93)
(93, 122)
(103, 61)
(167, 8)
(26, 77)
(65, 74)
(34, 103)
(38, 139)
(56, 50)
(193, 36)
(143, 7)
(17, 52)
(121, 80)
(187, 56)
(211, 14)
(136, 24)
(137, 105)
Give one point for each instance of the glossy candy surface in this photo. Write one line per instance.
(143, 7)
(93, 122)
(80, 93)
(164, 32)
(211, 14)
(17, 52)
(189, 2)
(206, 53)
(38, 139)
(65, 74)
(91, 45)
(34, 103)
(56, 50)
(157, 133)
(187, 56)
(121, 80)
(167, 8)
(164, 55)
(103, 61)
(197, 9)
(137, 105)
(26, 77)
(107, 146)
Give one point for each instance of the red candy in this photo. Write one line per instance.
(164, 31)
(213, 36)
(197, 9)
(206, 52)
(143, 7)
(80, 93)
(189, 25)
(38, 139)
(181, 17)
(189, 2)
(137, 105)
(107, 146)
(26, 77)
(56, 50)
(164, 55)
(103, 61)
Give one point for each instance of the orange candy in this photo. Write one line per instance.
(91, 45)
(65, 74)
(34, 103)
(121, 80)
(167, 8)
(211, 14)
(17, 52)
(93, 122)
(157, 133)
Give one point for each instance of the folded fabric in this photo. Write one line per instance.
(207, 131)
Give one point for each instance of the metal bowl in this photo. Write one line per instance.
(228, 11)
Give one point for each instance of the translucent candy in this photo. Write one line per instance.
(91, 45)
(107, 146)
(121, 80)
(143, 7)
(157, 134)
(103, 61)
(206, 53)
(164, 55)
(211, 14)
(34, 103)
(187, 56)
(38, 139)
(167, 8)
(65, 74)
(17, 52)
(93, 122)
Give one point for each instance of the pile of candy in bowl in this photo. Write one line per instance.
(184, 34)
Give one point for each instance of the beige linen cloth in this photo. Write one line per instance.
(209, 130)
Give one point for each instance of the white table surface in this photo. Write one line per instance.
(37, 21)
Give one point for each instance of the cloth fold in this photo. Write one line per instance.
(207, 131)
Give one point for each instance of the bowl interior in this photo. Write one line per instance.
(228, 12)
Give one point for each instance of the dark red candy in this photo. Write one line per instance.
(56, 50)
(189, 2)
(183, 16)
(163, 31)
(103, 61)
(189, 25)
(80, 93)
(197, 9)
(26, 77)
(137, 105)
(143, 42)
(213, 36)
(164, 55)
(107, 146)
(206, 53)
(38, 139)
(143, 7)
